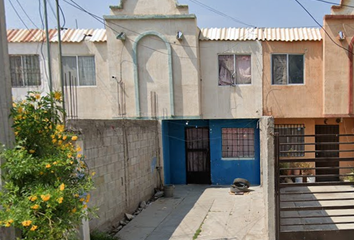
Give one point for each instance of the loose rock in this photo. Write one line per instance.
(143, 204)
(129, 217)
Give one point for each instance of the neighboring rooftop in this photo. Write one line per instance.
(68, 36)
(261, 34)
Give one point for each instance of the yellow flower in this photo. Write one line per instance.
(34, 227)
(74, 210)
(26, 223)
(76, 195)
(11, 221)
(7, 224)
(41, 173)
(32, 151)
(35, 207)
(16, 133)
(20, 110)
(14, 105)
(60, 142)
(57, 96)
(54, 141)
(65, 137)
(38, 96)
(45, 198)
(60, 128)
(55, 163)
(48, 166)
(88, 197)
(79, 155)
(62, 187)
(93, 173)
(78, 149)
(85, 206)
(60, 200)
(69, 155)
(74, 138)
(32, 198)
(52, 136)
(82, 199)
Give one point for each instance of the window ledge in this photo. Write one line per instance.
(238, 159)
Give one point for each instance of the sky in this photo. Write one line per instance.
(257, 13)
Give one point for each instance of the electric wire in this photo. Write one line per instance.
(18, 15)
(26, 13)
(220, 13)
(62, 13)
(333, 3)
(314, 19)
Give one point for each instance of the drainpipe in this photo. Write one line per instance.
(350, 100)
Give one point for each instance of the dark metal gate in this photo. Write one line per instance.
(198, 155)
(315, 192)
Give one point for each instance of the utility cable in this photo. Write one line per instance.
(333, 3)
(26, 13)
(18, 15)
(62, 13)
(220, 13)
(314, 19)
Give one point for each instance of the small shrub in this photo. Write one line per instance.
(46, 181)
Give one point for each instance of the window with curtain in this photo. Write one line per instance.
(234, 69)
(25, 70)
(238, 143)
(291, 138)
(287, 69)
(79, 70)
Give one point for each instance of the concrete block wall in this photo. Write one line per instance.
(124, 154)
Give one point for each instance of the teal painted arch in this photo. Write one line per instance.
(136, 70)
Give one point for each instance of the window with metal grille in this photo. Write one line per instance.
(25, 70)
(79, 71)
(238, 143)
(292, 145)
(234, 69)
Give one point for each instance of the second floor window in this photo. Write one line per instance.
(25, 70)
(287, 69)
(234, 69)
(79, 71)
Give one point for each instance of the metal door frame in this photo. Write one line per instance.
(207, 155)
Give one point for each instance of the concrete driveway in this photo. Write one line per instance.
(201, 212)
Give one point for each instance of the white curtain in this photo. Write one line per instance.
(87, 71)
(243, 69)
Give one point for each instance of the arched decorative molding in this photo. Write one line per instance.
(136, 70)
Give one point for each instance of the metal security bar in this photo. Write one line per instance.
(315, 193)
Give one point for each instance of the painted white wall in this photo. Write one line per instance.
(152, 56)
(94, 102)
(238, 101)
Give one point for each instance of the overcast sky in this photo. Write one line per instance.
(260, 13)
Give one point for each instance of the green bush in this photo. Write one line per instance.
(46, 181)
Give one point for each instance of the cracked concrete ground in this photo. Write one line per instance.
(211, 209)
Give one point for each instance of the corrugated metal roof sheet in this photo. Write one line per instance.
(67, 36)
(262, 34)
